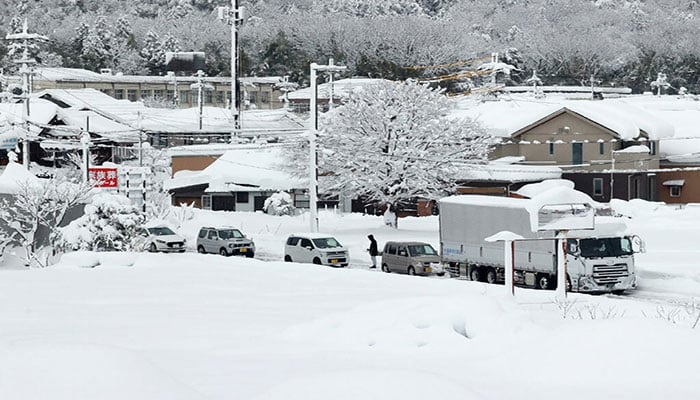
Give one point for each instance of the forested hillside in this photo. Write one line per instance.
(620, 42)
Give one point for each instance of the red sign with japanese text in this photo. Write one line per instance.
(103, 177)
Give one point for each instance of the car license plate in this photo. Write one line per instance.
(428, 270)
(243, 250)
(334, 261)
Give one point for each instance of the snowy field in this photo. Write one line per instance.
(190, 326)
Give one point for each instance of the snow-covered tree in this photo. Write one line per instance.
(280, 203)
(393, 142)
(41, 204)
(110, 222)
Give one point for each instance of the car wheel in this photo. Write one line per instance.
(200, 249)
(152, 248)
(317, 261)
(223, 252)
(287, 258)
(385, 268)
(411, 271)
(250, 255)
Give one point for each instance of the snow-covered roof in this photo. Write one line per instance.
(14, 177)
(164, 120)
(506, 169)
(83, 75)
(341, 88)
(675, 182)
(245, 168)
(506, 117)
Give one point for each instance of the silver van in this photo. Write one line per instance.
(315, 248)
(413, 258)
(225, 241)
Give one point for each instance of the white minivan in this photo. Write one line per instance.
(315, 248)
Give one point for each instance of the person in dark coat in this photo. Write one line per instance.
(373, 252)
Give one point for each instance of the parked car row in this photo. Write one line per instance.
(412, 258)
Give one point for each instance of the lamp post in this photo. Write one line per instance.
(313, 109)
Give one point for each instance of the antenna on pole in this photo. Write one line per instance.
(25, 40)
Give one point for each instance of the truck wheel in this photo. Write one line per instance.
(411, 271)
(491, 275)
(543, 281)
(385, 268)
(476, 274)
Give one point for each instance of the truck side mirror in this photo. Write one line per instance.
(638, 245)
(572, 248)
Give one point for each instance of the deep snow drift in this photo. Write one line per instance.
(190, 326)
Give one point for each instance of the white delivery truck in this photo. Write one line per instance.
(599, 258)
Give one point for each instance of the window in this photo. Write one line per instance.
(203, 233)
(119, 94)
(207, 97)
(220, 98)
(206, 202)
(551, 149)
(403, 252)
(306, 243)
(212, 235)
(170, 95)
(601, 148)
(158, 93)
(252, 98)
(675, 191)
(264, 97)
(292, 241)
(652, 147)
(597, 186)
(391, 249)
(241, 197)
(185, 96)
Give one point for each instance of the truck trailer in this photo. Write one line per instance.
(599, 258)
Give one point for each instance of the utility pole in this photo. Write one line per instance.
(26, 40)
(200, 86)
(234, 16)
(313, 162)
(85, 142)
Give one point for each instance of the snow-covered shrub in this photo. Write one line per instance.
(279, 203)
(111, 222)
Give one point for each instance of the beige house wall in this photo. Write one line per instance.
(192, 163)
(568, 128)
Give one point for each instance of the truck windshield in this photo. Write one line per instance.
(326, 243)
(230, 234)
(421, 250)
(605, 247)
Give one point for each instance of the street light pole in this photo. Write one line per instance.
(313, 122)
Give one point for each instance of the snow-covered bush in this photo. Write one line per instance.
(111, 222)
(279, 203)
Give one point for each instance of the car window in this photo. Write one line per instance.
(403, 252)
(212, 234)
(391, 249)
(203, 233)
(292, 241)
(159, 231)
(306, 243)
(230, 234)
(326, 243)
(421, 250)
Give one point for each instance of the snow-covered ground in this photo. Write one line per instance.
(190, 326)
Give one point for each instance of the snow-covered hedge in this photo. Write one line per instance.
(280, 203)
(111, 222)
